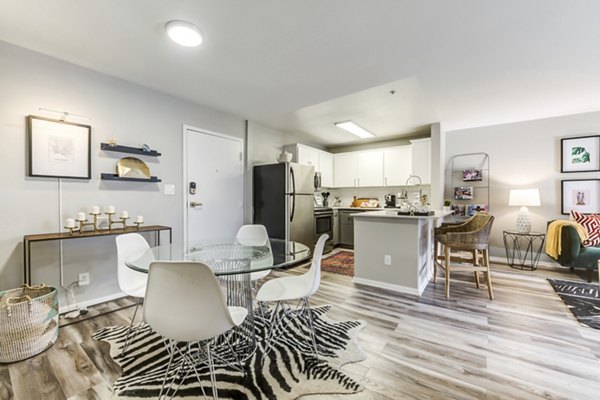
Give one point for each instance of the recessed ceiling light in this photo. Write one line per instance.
(354, 129)
(184, 33)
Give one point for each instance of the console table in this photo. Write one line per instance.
(44, 237)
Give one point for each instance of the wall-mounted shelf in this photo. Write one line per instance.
(127, 149)
(115, 177)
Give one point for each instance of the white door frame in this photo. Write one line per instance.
(185, 174)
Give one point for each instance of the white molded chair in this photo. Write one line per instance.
(282, 290)
(184, 303)
(132, 283)
(256, 235)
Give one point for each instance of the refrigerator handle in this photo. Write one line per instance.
(293, 191)
(293, 194)
(293, 199)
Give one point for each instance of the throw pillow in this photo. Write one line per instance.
(591, 225)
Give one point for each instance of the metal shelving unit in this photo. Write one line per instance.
(454, 178)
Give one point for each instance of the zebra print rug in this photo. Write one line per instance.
(583, 299)
(286, 372)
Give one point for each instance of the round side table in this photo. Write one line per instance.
(523, 250)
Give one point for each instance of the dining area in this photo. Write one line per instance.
(210, 322)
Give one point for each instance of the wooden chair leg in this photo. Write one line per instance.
(476, 279)
(447, 267)
(488, 277)
(435, 260)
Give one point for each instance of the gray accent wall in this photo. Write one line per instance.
(131, 113)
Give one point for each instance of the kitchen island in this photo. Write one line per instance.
(394, 251)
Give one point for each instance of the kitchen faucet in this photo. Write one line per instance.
(411, 177)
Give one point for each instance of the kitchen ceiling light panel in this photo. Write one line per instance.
(184, 33)
(354, 129)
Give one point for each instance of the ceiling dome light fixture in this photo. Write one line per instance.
(184, 33)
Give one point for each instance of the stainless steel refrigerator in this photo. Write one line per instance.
(283, 201)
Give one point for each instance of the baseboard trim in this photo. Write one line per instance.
(91, 302)
(544, 264)
(388, 286)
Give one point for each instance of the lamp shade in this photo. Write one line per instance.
(524, 197)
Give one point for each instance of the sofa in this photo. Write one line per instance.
(574, 255)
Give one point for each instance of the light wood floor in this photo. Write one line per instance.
(523, 345)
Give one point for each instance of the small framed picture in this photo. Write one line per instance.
(580, 154)
(58, 149)
(463, 193)
(470, 175)
(582, 195)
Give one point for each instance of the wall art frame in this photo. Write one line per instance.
(580, 154)
(582, 195)
(58, 149)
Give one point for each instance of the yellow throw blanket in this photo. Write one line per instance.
(554, 233)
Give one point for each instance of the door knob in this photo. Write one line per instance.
(194, 204)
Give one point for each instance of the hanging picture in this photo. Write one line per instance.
(580, 154)
(58, 149)
(463, 193)
(472, 175)
(582, 195)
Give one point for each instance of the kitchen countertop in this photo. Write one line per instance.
(393, 213)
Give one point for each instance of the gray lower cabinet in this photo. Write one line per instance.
(346, 223)
(336, 227)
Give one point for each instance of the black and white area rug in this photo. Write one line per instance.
(583, 299)
(286, 372)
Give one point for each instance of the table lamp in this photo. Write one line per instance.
(523, 198)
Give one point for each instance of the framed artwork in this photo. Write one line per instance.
(58, 149)
(580, 154)
(582, 195)
(472, 175)
(463, 193)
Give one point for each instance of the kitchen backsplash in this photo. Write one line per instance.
(347, 194)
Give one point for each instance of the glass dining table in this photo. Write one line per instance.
(233, 265)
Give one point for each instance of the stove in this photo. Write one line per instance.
(324, 225)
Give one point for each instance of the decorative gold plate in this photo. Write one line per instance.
(131, 167)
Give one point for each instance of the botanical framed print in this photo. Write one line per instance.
(580, 154)
(58, 149)
(582, 195)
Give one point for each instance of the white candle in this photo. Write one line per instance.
(124, 214)
(139, 219)
(110, 209)
(81, 216)
(70, 223)
(95, 210)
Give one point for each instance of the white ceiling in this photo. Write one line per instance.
(467, 62)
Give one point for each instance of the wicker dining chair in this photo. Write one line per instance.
(464, 247)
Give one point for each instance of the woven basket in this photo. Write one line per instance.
(28, 322)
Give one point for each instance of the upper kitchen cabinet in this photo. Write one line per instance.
(358, 169)
(421, 159)
(321, 160)
(397, 165)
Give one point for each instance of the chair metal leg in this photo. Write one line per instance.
(211, 367)
(130, 329)
(167, 372)
(312, 327)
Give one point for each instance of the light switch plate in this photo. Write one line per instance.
(169, 189)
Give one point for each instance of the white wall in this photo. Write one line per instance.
(524, 155)
(134, 115)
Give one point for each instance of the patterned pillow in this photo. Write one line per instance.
(591, 224)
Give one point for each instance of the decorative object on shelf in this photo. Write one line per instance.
(146, 148)
(58, 149)
(472, 175)
(447, 206)
(581, 195)
(112, 141)
(128, 149)
(99, 222)
(463, 193)
(523, 198)
(580, 154)
(131, 167)
(284, 156)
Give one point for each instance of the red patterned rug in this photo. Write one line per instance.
(341, 263)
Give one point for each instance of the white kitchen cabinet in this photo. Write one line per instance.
(370, 168)
(421, 159)
(321, 160)
(397, 165)
(358, 169)
(326, 168)
(345, 169)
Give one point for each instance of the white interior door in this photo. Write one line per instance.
(214, 163)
